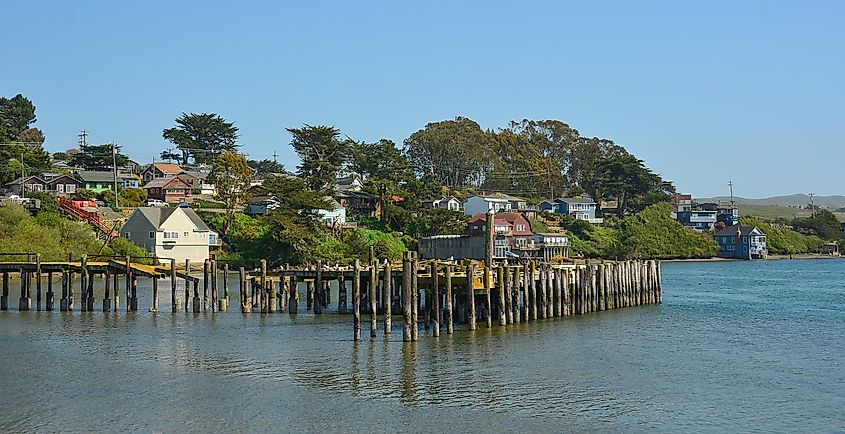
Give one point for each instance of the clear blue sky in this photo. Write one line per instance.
(704, 92)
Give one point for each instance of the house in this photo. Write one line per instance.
(170, 189)
(59, 184)
(335, 216)
(24, 185)
(513, 231)
(128, 180)
(96, 181)
(171, 233)
(581, 209)
(496, 201)
(742, 242)
(451, 203)
(831, 249)
(358, 203)
(698, 220)
(261, 205)
(682, 202)
(349, 183)
(551, 245)
(728, 215)
(160, 170)
(198, 181)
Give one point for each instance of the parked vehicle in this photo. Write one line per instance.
(157, 203)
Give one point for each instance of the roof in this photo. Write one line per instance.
(168, 168)
(348, 180)
(163, 182)
(501, 196)
(195, 174)
(575, 200)
(91, 176)
(744, 230)
(25, 178)
(509, 217)
(683, 196)
(157, 216)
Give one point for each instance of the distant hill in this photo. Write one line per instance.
(792, 200)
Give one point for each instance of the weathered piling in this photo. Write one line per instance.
(488, 285)
(106, 294)
(356, 300)
(38, 282)
(450, 302)
(415, 297)
(542, 301)
(470, 271)
(154, 302)
(246, 302)
(407, 300)
(293, 296)
(4, 298)
(372, 296)
(388, 298)
(318, 290)
(342, 298)
(48, 306)
(213, 276)
(224, 302)
(517, 289)
(435, 298)
(502, 284)
(206, 272)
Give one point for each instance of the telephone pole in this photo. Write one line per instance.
(83, 138)
(812, 205)
(114, 168)
(731, 185)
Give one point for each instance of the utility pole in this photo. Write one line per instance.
(114, 168)
(23, 175)
(812, 205)
(274, 156)
(731, 185)
(83, 139)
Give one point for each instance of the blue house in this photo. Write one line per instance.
(698, 220)
(581, 209)
(742, 242)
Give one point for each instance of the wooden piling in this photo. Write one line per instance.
(542, 301)
(450, 302)
(4, 298)
(435, 298)
(107, 292)
(154, 302)
(318, 290)
(293, 296)
(388, 298)
(488, 285)
(205, 282)
(470, 272)
(38, 282)
(372, 296)
(48, 306)
(415, 297)
(342, 298)
(407, 299)
(519, 282)
(243, 297)
(224, 302)
(501, 284)
(356, 300)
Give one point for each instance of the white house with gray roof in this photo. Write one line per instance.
(177, 233)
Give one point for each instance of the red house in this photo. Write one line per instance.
(170, 189)
(513, 230)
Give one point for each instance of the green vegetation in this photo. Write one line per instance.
(653, 233)
(17, 114)
(785, 241)
(202, 136)
(54, 237)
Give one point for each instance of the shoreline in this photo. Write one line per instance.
(768, 258)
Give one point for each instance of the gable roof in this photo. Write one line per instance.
(26, 178)
(164, 182)
(95, 176)
(509, 217)
(167, 168)
(157, 216)
(744, 230)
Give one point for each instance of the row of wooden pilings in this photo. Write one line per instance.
(453, 293)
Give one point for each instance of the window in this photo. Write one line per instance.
(70, 188)
(186, 234)
(152, 235)
(126, 235)
(170, 235)
(60, 188)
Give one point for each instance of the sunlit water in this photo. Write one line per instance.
(735, 347)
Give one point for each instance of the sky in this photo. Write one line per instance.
(703, 92)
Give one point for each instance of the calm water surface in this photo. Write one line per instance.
(735, 347)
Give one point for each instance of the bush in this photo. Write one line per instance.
(653, 233)
(54, 237)
(784, 241)
(124, 247)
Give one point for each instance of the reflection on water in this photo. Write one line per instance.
(734, 347)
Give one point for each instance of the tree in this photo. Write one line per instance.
(16, 115)
(231, 176)
(266, 166)
(322, 154)
(381, 160)
(625, 178)
(294, 225)
(169, 155)
(202, 136)
(454, 152)
(35, 160)
(824, 224)
(98, 157)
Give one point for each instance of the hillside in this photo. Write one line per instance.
(792, 200)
